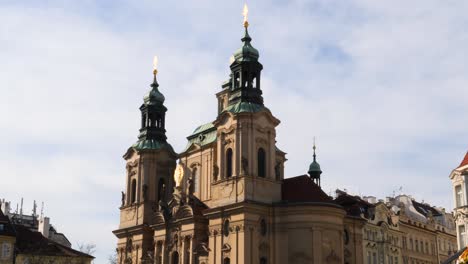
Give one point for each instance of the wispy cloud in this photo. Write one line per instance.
(381, 84)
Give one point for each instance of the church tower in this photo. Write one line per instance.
(150, 164)
(235, 157)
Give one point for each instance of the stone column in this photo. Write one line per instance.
(191, 250)
(317, 244)
(214, 247)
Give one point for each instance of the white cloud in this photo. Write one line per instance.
(381, 84)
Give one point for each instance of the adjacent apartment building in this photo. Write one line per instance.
(400, 230)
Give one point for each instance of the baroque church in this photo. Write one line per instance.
(224, 198)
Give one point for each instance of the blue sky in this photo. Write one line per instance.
(381, 84)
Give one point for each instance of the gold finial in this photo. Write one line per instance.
(245, 13)
(155, 65)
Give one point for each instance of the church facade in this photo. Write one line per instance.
(224, 198)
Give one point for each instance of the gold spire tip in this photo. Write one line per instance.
(155, 65)
(245, 13)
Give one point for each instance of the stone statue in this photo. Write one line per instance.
(190, 187)
(245, 166)
(123, 198)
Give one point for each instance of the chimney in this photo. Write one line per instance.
(44, 226)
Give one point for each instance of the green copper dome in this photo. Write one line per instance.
(154, 96)
(247, 52)
(314, 168)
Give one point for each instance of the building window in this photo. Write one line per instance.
(411, 244)
(226, 228)
(369, 258)
(196, 179)
(462, 235)
(417, 245)
(263, 260)
(227, 261)
(459, 195)
(175, 257)
(229, 163)
(133, 191)
(6, 250)
(261, 162)
(374, 258)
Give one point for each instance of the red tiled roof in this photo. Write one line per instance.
(464, 161)
(303, 189)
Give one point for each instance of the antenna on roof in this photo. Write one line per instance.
(34, 209)
(42, 210)
(21, 209)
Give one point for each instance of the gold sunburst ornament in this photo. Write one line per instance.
(178, 175)
(463, 259)
(245, 12)
(155, 65)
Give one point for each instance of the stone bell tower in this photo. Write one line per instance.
(150, 165)
(250, 164)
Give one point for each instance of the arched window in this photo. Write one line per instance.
(175, 257)
(143, 121)
(187, 249)
(237, 80)
(229, 163)
(159, 253)
(245, 79)
(196, 179)
(133, 191)
(227, 261)
(161, 189)
(261, 168)
(253, 81)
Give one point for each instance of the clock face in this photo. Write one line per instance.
(178, 174)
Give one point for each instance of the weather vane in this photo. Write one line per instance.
(245, 12)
